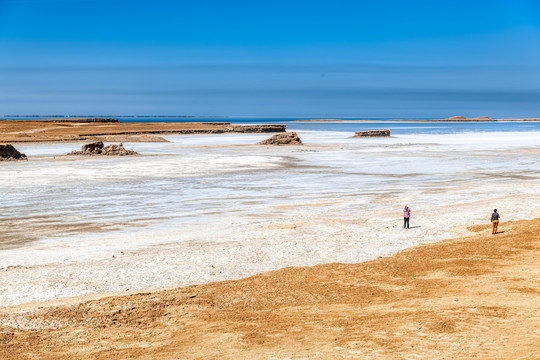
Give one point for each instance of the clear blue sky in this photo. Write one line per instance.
(276, 58)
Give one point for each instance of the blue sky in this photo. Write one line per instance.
(279, 58)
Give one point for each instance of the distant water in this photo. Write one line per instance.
(396, 128)
(399, 128)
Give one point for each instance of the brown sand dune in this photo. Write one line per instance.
(92, 129)
(475, 297)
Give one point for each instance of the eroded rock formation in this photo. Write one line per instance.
(288, 138)
(372, 133)
(255, 128)
(97, 148)
(8, 152)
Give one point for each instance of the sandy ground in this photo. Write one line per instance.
(474, 297)
(63, 130)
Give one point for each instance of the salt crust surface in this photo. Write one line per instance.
(207, 208)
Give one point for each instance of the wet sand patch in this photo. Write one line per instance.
(20, 231)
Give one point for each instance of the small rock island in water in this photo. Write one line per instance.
(372, 133)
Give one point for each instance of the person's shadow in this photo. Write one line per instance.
(415, 227)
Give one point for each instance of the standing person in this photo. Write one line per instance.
(494, 221)
(406, 217)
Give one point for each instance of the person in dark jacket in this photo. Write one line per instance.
(494, 221)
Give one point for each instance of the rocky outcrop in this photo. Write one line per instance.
(93, 148)
(288, 138)
(8, 152)
(255, 128)
(97, 148)
(216, 128)
(372, 133)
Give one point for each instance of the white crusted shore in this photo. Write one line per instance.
(201, 209)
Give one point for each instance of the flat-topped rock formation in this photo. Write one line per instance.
(372, 133)
(288, 138)
(255, 128)
(97, 148)
(91, 129)
(8, 152)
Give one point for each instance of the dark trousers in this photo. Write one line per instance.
(405, 223)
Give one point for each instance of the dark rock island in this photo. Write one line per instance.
(372, 133)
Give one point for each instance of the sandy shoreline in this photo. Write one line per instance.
(469, 297)
(58, 130)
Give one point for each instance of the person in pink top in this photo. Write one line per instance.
(406, 217)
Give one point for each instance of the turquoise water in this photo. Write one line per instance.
(418, 128)
(395, 127)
